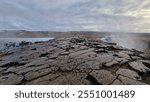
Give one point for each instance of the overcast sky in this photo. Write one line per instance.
(76, 15)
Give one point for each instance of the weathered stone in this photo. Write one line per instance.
(2, 69)
(39, 73)
(100, 50)
(112, 63)
(88, 56)
(104, 58)
(77, 40)
(54, 56)
(62, 61)
(2, 54)
(88, 66)
(75, 54)
(128, 73)
(45, 80)
(10, 70)
(64, 53)
(11, 63)
(127, 52)
(11, 79)
(121, 60)
(117, 82)
(123, 54)
(34, 68)
(77, 79)
(145, 56)
(118, 47)
(38, 62)
(136, 58)
(83, 47)
(103, 76)
(128, 81)
(139, 66)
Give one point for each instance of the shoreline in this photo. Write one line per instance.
(76, 60)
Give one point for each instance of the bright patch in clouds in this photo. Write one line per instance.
(76, 15)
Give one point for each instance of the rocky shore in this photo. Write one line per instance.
(74, 61)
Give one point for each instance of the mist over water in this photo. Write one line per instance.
(139, 42)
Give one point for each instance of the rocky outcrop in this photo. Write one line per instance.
(74, 61)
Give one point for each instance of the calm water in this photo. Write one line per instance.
(18, 40)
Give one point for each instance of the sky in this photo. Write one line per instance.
(75, 15)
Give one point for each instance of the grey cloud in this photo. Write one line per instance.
(63, 15)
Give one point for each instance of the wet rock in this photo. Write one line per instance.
(103, 76)
(11, 79)
(128, 73)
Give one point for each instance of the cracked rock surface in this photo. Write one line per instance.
(74, 61)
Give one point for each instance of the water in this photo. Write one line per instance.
(18, 40)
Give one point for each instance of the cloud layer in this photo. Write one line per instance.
(76, 15)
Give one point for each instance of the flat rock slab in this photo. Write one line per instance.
(140, 66)
(128, 73)
(73, 61)
(128, 81)
(11, 79)
(103, 76)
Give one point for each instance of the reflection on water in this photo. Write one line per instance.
(18, 40)
(130, 41)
